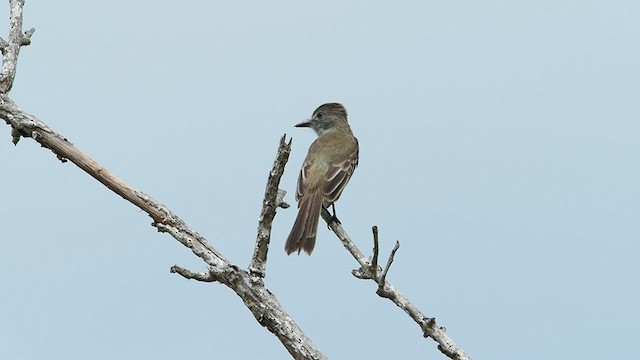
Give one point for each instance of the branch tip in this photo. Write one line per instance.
(204, 277)
(280, 199)
(383, 280)
(283, 142)
(25, 39)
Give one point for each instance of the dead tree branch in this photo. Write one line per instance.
(388, 291)
(11, 49)
(258, 299)
(273, 198)
(204, 277)
(247, 284)
(261, 302)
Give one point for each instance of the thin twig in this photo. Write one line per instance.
(383, 280)
(273, 198)
(376, 249)
(204, 277)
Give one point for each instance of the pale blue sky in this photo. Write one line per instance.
(498, 145)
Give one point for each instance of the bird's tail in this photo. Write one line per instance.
(304, 231)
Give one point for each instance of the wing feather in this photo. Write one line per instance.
(337, 177)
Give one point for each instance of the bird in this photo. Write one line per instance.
(327, 168)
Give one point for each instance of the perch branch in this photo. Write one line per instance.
(428, 325)
(259, 300)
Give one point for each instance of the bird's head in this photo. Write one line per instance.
(326, 117)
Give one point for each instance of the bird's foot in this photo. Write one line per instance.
(333, 219)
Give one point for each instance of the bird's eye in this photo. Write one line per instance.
(319, 115)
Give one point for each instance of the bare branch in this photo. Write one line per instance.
(11, 49)
(260, 301)
(383, 280)
(428, 325)
(204, 277)
(273, 197)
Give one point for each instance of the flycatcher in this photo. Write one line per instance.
(329, 164)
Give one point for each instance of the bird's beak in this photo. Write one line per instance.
(304, 124)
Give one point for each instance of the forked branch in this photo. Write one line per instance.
(371, 270)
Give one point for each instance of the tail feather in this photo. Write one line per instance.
(304, 231)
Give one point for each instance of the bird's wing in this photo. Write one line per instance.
(337, 178)
(302, 180)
